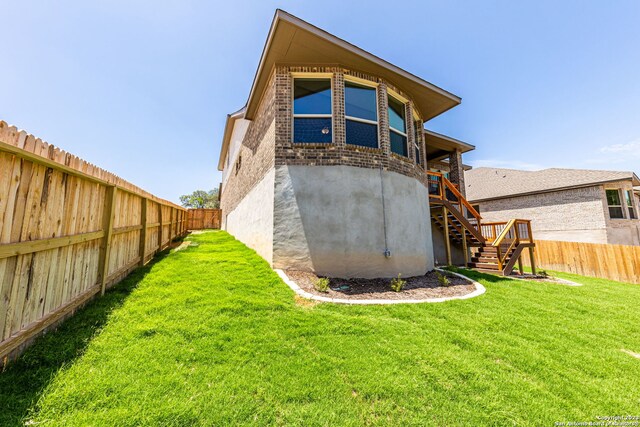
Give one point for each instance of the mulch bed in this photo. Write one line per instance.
(417, 287)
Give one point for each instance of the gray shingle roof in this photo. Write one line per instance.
(489, 183)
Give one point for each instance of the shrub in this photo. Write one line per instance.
(322, 285)
(397, 284)
(443, 279)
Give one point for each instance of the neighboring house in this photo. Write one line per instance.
(325, 168)
(563, 204)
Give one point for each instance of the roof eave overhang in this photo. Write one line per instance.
(548, 190)
(279, 48)
(226, 137)
(444, 144)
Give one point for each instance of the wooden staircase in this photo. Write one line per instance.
(492, 247)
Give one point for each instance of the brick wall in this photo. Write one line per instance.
(256, 154)
(621, 231)
(268, 140)
(574, 215)
(339, 152)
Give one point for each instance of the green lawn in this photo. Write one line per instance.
(211, 336)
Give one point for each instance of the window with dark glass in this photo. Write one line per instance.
(631, 205)
(312, 111)
(416, 140)
(361, 115)
(397, 127)
(468, 212)
(615, 205)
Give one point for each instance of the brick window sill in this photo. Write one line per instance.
(402, 158)
(353, 147)
(313, 144)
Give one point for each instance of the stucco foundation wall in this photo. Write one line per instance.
(329, 219)
(440, 250)
(251, 221)
(575, 215)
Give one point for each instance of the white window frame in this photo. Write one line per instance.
(366, 83)
(630, 201)
(311, 76)
(403, 101)
(417, 149)
(416, 143)
(621, 205)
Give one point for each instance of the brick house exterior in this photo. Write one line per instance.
(563, 204)
(335, 207)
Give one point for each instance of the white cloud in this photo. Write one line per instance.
(630, 148)
(617, 156)
(506, 164)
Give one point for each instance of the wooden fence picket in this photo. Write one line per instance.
(614, 262)
(68, 231)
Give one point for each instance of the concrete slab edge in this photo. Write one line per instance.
(298, 290)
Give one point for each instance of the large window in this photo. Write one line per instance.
(631, 204)
(416, 139)
(312, 111)
(397, 127)
(361, 114)
(615, 205)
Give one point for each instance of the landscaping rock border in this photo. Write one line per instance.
(294, 286)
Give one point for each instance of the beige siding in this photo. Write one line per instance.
(576, 215)
(621, 231)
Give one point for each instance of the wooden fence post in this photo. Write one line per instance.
(160, 227)
(143, 231)
(171, 224)
(107, 226)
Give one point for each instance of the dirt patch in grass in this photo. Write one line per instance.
(543, 278)
(417, 287)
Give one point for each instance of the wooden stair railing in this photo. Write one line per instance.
(514, 235)
(507, 239)
(444, 192)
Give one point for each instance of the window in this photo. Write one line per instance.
(361, 115)
(397, 127)
(469, 214)
(615, 206)
(416, 140)
(631, 204)
(312, 111)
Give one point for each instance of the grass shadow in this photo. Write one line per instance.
(23, 380)
(476, 275)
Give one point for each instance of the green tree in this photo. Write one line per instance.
(201, 199)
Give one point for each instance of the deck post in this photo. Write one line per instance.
(447, 243)
(464, 246)
(520, 268)
(533, 260)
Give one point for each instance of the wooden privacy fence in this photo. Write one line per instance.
(615, 262)
(199, 219)
(68, 231)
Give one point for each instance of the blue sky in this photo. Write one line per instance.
(142, 88)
